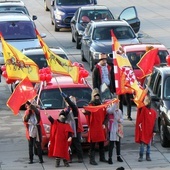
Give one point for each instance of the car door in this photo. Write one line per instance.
(130, 15)
(73, 23)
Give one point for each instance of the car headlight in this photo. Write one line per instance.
(58, 14)
(47, 128)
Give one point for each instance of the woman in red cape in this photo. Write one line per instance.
(60, 139)
(145, 128)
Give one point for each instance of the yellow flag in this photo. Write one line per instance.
(18, 66)
(58, 64)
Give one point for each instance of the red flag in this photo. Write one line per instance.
(147, 62)
(22, 93)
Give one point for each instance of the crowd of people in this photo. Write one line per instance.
(105, 123)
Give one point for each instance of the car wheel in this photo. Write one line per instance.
(56, 29)
(45, 6)
(82, 56)
(78, 45)
(163, 138)
(91, 63)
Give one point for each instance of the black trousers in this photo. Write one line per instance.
(101, 146)
(33, 144)
(76, 145)
(111, 146)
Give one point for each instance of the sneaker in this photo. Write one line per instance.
(110, 161)
(31, 162)
(119, 159)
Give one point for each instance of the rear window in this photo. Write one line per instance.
(17, 30)
(121, 33)
(135, 56)
(51, 98)
(20, 9)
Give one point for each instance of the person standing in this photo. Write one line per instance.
(145, 128)
(32, 121)
(115, 119)
(96, 120)
(73, 118)
(103, 73)
(60, 138)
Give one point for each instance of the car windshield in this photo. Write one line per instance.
(74, 2)
(135, 56)
(17, 30)
(52, 99)
(167, 89)
(20, 9)
(88, 15)
(121, 33)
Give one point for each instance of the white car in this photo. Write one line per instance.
(19, 31)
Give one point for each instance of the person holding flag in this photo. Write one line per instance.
(96, 119)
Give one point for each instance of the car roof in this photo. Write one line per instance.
(142, 47)
(109, 23)
(14, 17)
(164, 69)
(93, 7)
(64, 82)
(12, 3)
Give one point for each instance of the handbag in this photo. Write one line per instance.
(120, 130)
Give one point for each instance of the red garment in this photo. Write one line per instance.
(58, 140)
(95, 121)
(145, 122)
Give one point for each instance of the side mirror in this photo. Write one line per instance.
(34, 17)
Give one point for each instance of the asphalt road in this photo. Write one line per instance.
(155, 25)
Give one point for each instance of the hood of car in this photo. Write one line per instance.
(105, 46)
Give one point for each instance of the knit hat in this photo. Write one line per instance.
(62, 113)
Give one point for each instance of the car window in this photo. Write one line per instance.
(12, 30)
(162, 55)
(21, 9)
(167, 88)
(134, 58)
(74, 2)
(157, 89)
(152, 81)
(121, 32)
(52, 99)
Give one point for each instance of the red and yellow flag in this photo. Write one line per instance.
(22, 93)
(18, 66)
(125, 80)
(58, 64)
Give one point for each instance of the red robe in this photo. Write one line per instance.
(58, 140)
(145, 122)
(95, 121)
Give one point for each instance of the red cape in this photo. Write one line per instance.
(145, 122)
(95, 121)
(58, 140)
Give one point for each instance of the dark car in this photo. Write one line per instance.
(83, 16)
(99, 12)
(158, 85)
(97, 39)
(62, 11)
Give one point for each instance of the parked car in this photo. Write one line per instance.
(51, 101)
(97, 39)
(85, 14)
(158, 85)
(136, 51)
(16, 6)
(19, 31)
(62, 11)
